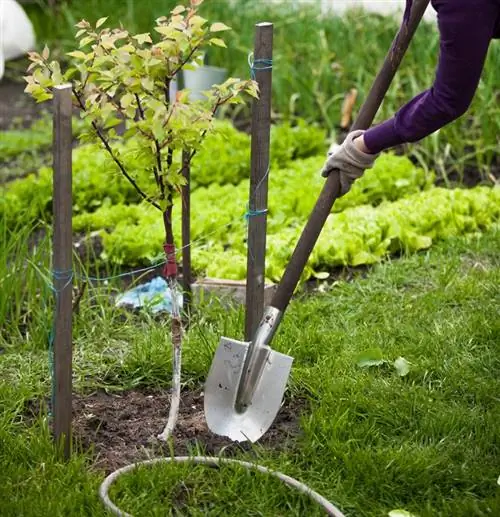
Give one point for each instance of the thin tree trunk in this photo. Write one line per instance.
(170, 273)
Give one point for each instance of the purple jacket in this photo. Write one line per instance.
(466, 28)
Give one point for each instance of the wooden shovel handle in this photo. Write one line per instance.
(331, 189)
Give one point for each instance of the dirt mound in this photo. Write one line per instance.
(122, 428)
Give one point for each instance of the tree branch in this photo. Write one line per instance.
(189, 56)
(157, 168)
(113, 156)
(191, 155)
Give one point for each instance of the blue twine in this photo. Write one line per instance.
(258, 64)
(70, 275)
(61, 274)
(253, 213)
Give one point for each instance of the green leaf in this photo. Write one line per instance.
(163, 204)
(112, 122)
(219, 42)
(197, 21)
(219, 27)
(78, 54)
(165, 30)
(85, 41)
(56, 74)
(70, 73)
(371, 357)
(148, 84)
(402, 366)
(158, 130)
(252, 89)
(321, 275)
(400, 513)
(127, 100)
(83, 24)
(100, 21)
(43, 96)
(143, 38)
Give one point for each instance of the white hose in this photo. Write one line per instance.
(329, 508)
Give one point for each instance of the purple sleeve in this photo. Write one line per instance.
(466, 29)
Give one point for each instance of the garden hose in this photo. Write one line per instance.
(329, 508)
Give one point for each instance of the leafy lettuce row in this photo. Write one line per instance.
(218, 211)
(366, 234)
(355, 236)
(294, 187)
(292, 194)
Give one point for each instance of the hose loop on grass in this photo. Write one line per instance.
(329, 508)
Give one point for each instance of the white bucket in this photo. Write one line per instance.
(16, 32)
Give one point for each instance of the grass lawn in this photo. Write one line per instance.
(369, 440)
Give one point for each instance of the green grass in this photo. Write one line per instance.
(317, 60)
(371, 441)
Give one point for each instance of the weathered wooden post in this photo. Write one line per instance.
(257, 214)
(62, 266)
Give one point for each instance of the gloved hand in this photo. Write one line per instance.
(350, 161)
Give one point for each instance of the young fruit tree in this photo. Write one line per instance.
(120, 79)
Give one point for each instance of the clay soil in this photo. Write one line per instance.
(122, 428)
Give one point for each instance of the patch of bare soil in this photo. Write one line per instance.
(478, 263)
(14, 103)
(122, 428)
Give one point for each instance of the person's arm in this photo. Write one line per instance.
(466, 29)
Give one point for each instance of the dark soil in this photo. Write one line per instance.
(472, 177)
(15, 104)
(122, 428)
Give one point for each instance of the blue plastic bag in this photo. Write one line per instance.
(155, 296)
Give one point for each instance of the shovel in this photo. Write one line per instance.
(247, 380)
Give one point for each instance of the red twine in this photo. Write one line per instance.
(170, 268)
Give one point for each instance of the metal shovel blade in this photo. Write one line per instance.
(221, 390)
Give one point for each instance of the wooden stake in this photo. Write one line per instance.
(62, 264)
(187, 278)
(347, 107)
(261, 128)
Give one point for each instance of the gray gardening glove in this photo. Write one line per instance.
(349, 160)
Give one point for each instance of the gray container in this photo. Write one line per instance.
(202, 79)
